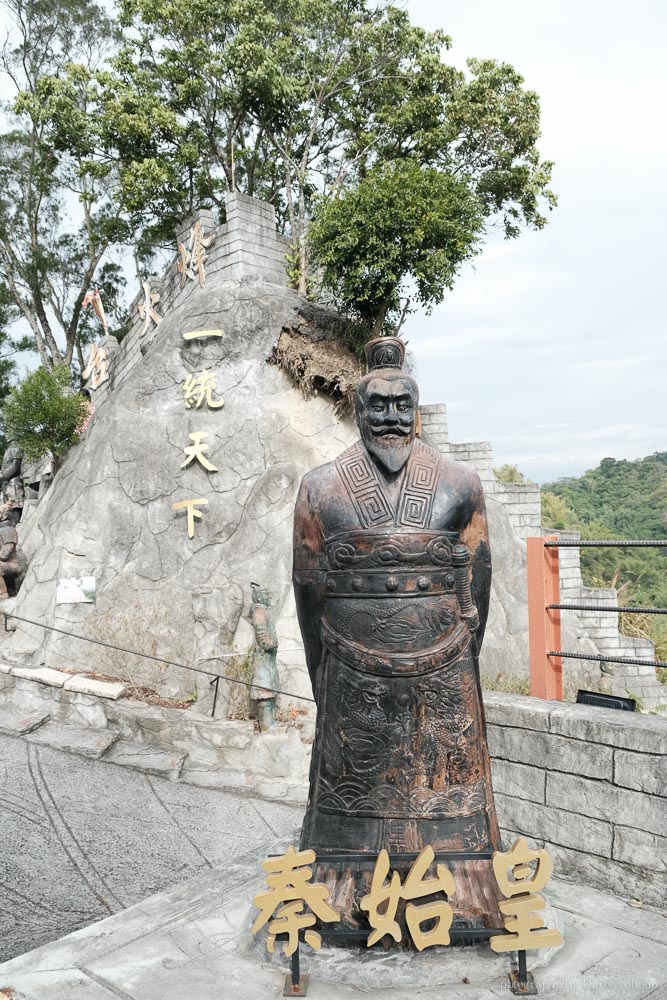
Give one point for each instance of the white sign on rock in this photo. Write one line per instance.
(76, 590)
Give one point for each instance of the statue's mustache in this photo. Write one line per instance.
(392, 431)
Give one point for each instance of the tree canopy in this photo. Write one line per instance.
(59, 212)
(44, 414)
(342, 113)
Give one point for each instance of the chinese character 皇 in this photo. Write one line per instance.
(97, 367)
(193, 255)
(415, 887)
(146, 310)
(196, 451)
(191, 507)
(524, 927)
(200, 387)
(290, 885)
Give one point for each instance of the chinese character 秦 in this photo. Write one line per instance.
(194, 255)
(97, 367)
(191, 507)
(200, 387)
(524, 928)
(196, 451)
(415, 887)
(146, 310)
(290, 884)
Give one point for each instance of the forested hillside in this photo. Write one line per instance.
(619, 499)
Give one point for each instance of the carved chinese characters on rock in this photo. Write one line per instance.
(146, 309)
(200, 391)
(201, 388)
(193, 255)
(97, 367)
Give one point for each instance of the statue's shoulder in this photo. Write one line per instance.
(465, 479)
(320, 481)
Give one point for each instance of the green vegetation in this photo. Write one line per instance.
(44, 413)
(340, 113)
(509, 474)
(60, 215)
(620, 499)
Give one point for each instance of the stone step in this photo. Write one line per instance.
(148, 757)
(74, 739)
(17, 723)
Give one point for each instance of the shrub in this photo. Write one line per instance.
(44, 414)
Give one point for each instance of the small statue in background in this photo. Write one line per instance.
(10, 564)
(265, 678)
(11, 483)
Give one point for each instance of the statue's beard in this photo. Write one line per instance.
(391, 451)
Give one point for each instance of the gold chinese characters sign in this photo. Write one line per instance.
(199, 390)
(294, 902)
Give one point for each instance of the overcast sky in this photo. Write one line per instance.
(553, 348)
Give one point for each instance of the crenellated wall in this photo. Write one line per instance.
(245, 248)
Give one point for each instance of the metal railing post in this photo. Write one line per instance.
(546, 677)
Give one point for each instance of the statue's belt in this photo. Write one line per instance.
(360, 583)
(425, 661)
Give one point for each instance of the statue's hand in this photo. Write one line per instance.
(472, 620)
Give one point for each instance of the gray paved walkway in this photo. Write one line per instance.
(83, 839)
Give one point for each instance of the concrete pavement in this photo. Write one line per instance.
(81, 840)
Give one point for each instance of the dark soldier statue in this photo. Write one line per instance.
(392, 573)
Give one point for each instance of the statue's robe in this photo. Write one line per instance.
(400, 758)
(10, 566)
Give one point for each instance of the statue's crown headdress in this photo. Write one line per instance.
(384, 352)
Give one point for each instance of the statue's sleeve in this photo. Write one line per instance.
(308, 577)
(475, 536)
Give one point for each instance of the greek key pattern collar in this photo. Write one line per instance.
(361, 480)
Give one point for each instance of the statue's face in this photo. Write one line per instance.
(386, 414)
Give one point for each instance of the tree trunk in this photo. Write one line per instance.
(380, 318)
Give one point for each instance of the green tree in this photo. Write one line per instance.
(300, 100)
(477, 135)
(509, 474)
(59, 210)
(555, 512)
(44, 414)
(401, 220)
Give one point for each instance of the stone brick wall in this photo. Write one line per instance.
(590, 784)
(520, 500)
(522, 504)
(245, 248)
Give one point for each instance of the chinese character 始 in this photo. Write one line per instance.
(415, 887)
(524, 927)
(290, 885)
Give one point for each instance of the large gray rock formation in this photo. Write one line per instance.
(110, 513)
